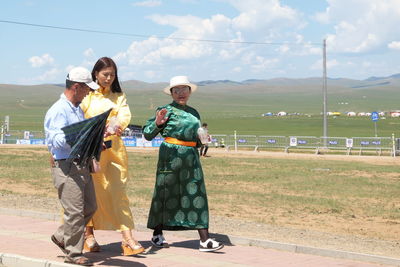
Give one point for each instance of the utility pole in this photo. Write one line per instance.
(324, 92)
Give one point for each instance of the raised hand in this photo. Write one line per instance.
(160, 117)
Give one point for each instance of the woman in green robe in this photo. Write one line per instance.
(179, 199)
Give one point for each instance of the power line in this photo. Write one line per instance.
(148, 36)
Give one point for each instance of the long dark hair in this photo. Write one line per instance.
(106, 62)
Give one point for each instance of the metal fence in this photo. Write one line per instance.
(219, 140)
(272, 141)
(235, 142)
(374, 143)
(304, 142)
(348, 145)
(242, 141)
(397, 146)
(23, 137)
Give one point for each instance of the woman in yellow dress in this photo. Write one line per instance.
(113, 212)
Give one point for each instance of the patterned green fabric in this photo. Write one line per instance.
(179, 199)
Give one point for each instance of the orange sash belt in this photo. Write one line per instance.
(175, 141)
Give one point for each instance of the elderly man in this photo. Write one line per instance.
(73, 182)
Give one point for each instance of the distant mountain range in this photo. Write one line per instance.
(394, 76)
(369, 82)
(274, 84)
(277, 84)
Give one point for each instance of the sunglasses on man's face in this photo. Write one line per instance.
(177, 90)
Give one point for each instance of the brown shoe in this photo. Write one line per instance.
(59, 244)
(79, 261)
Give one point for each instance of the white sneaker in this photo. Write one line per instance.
(159, 241)
(210, 245)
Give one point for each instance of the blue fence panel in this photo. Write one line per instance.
(156, 142)
(129, 141)
(273, 141)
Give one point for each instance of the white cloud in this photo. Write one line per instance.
(226, 54)
(150, 74)
(263, 64)
(395, 45)
(366, 64)
(302, 49)
(258, 63)
(312, 49)
(254, 16)
(332, 63)
(218, 27)
(154, 51)
(237, 69)
(361, 26)
(329, 64)
(147, 52)
(126, 75)
(89, 52)
(263, 14)
(283, 49)
(40, 61)
(189, 1)
(90, 58)
(149, 3)
(49, 76)
(69, 67)
(322, 17)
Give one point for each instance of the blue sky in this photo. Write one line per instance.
(363, 38)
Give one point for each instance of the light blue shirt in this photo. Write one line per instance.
(61, 113)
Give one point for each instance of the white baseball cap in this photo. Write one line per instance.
(82, 75)
(179, 80)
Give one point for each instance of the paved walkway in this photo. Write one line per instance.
(25, 241)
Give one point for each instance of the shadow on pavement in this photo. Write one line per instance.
(192, 244)
(222, 238)
(108, 254)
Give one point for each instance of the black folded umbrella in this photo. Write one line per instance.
(86, 138)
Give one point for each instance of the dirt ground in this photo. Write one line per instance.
(230, 226)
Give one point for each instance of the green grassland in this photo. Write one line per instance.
(227, 108)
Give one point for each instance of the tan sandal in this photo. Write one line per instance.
(131, 247)
(90, 244)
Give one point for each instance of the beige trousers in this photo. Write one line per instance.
(77, 196)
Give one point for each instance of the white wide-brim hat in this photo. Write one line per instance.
(179, 80)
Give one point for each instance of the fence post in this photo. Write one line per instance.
(394, 145)
(235, 140)
(2, 134)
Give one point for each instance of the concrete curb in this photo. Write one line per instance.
(11, 260)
